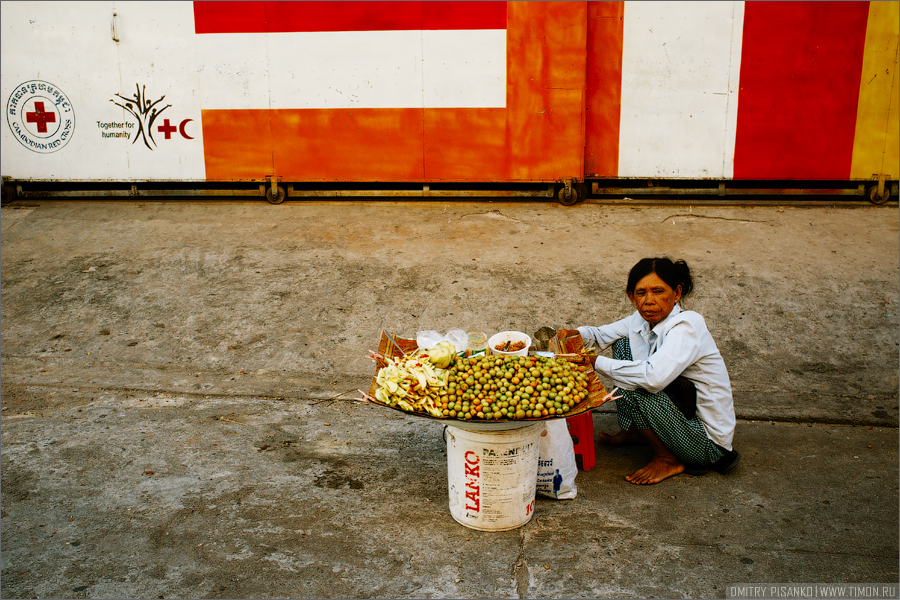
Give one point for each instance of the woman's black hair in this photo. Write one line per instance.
(674, 273)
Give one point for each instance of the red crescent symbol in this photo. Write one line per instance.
(181, 128)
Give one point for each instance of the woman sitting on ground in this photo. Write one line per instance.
(658, 352)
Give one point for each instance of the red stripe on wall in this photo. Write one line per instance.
(229, 17)
(281, 17)
(603, 108)
(799, 87)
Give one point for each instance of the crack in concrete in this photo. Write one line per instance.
(492, 214)
(521, 573)
(679, 215)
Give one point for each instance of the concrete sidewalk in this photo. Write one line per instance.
(170, 427)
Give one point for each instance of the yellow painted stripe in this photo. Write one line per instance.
(875, 144)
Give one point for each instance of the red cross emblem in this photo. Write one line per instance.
(167, 129)
(40, 117)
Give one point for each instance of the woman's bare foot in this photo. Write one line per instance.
(664, 463)
(659, 468)
(622, 437)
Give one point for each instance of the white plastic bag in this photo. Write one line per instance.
(429, 339)
(557, 468)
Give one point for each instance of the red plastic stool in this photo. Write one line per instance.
(581, 428)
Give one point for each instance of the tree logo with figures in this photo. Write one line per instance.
(144, 111)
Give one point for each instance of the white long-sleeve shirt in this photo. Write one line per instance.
(680, 344)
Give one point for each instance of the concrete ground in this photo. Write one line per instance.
(176, 380)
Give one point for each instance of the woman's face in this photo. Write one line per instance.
(654, 299)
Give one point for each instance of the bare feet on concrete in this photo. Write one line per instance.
(659, 468)
(664, 463)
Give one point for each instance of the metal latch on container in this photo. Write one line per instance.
(112, 25)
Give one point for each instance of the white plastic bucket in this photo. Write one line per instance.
(509, 336)
(492, 476)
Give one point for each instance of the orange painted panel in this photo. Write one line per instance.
(546, 137)
(546, 44)
(539, 136)
(348, 144)
(605, 26)
(237, 144)
(466, 144)
(552, 36)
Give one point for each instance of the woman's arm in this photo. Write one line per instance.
(605, 335)
(680, 348)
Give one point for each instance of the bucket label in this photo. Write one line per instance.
(508, 452)
(473, 489)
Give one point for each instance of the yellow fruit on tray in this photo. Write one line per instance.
(485, 388)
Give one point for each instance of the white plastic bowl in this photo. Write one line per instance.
(509, 336)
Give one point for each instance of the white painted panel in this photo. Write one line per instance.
(157, 49)
(345, 69)
(465, 68)
(233, 71)
(70, 44)
(734, 81)
(679, 88)
(53, 42)
(353, 69)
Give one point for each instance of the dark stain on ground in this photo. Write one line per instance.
(17, 483)
(334, 480)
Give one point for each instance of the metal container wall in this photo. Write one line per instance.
(449, 91)
(69, 47)
(742, 90)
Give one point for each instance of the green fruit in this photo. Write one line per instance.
(442, 355)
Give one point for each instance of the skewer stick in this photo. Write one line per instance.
(332, 398)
